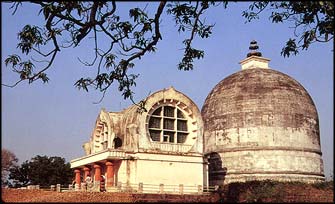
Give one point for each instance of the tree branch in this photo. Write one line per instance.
(157, 33)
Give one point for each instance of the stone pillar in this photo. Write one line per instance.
(161, 188)
(97, 177)
(119, 186)
(199, 189)
(70, 187)
(140, 187)
(83, 186)
(110, 173)
(97, 172)
(181, 189)
(76, 187)
(77, 176)
(58, 188)
(86, 172)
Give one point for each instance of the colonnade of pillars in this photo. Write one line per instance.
(97, 173)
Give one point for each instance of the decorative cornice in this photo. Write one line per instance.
(269, 148)
(275, 172)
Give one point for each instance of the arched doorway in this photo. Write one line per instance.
(117, 142)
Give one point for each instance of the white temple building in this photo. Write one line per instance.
(161, 146)
(255, 124)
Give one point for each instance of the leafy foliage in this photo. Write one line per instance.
(8, 160)
(270, 191)
(313, 21)
(19, 175)
(255, 191)
(324, 185)
(41, 170)
(187, 18)
(68, 23)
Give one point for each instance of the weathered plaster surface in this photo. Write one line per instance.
(139, 158)
(261, 121)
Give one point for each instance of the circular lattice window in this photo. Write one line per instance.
(168, 124)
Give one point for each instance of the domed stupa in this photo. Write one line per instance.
(261, 124)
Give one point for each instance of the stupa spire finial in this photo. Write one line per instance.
(253, 49)
(254, 58)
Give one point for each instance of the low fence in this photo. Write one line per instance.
(131, 188)
(58, 187)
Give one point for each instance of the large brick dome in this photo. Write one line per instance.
(261, 124)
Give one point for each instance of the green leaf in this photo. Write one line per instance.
(83, 83)
(43, 77)
(12, 59)
(290, 47)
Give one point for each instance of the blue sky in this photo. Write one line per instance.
(55, 119)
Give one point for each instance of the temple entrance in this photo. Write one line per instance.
(216, 172)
